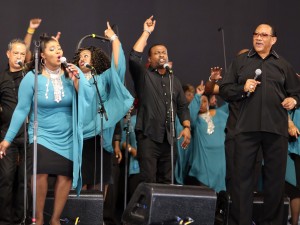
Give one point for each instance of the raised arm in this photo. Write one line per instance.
(141, 43)
(215, 75)
(33, 25)
(110, 34)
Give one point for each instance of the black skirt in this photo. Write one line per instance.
(292, 191)
(49, 162)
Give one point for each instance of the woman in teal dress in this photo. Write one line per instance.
(62, 99)
(109, 76)
(184, 155)
(208, 157)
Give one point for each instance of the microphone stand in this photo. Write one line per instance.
(223, 43)
(172, 125)
(35, 126)
(103, 39)
(128, 117)
(25, 165)
(102, 113)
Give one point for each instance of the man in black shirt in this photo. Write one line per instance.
(262, 122)
(11, 168)
(152, 86)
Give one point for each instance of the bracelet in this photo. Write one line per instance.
(30, 30)
(112, 38)
(148, 31)
(216, 81)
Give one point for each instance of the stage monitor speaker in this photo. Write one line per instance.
(224, 207)
(88, 207)
(170, 204)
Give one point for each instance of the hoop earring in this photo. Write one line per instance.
(42, 62)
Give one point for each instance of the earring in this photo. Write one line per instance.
(42, 61)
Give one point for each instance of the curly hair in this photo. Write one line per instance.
(99, 59)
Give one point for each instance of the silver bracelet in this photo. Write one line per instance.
(216, 81)
(112, 38)
(148, 31)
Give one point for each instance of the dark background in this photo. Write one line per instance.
(188, 28)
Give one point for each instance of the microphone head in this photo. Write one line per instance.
(63, 59)
(19, 62)
(258, 72)
(166, 65)
(88, 65)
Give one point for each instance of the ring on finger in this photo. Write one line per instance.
(1, 153)
(251, 86)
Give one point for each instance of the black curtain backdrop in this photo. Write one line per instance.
(188, 28)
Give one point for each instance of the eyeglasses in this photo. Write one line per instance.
(263, 35)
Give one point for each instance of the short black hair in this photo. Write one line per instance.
(273, 29)
(152, 46)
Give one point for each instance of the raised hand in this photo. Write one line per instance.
(109, 33)
(200, 88)
(35, 23)
(57, 37)
(215, 73)
(149, 24)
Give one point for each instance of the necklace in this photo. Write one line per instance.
(58, 88)
(210, 125)
(88, 75)
(57, 71)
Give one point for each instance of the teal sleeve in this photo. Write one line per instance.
(194, 109)
(81, 101)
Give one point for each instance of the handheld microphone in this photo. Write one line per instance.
(257, 74)
(89, 66)
(19, 62)
(63, 61)
(167, 67)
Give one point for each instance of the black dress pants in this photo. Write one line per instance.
(230, 170)
(154, 159)
(12, 185)
(274, 149)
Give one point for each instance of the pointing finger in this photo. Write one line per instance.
(108, 25)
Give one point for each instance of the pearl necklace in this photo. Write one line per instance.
(88, 75)
(58, 88)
